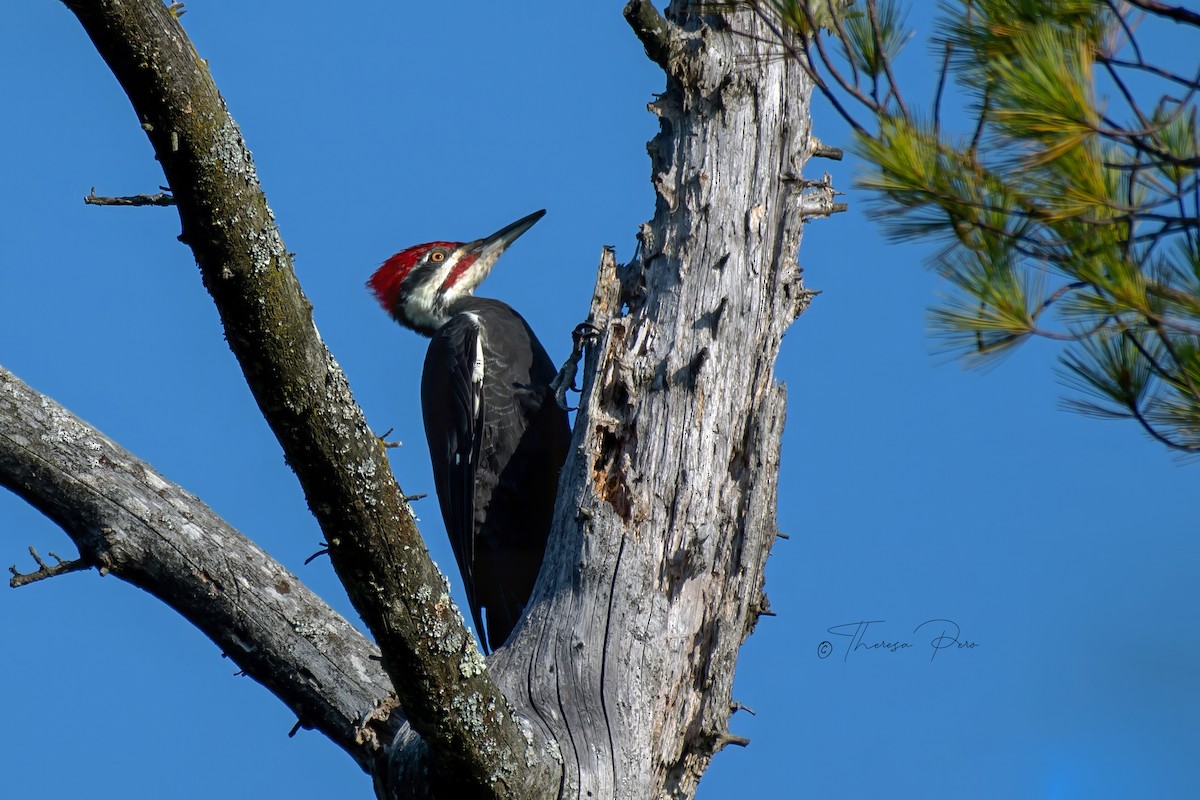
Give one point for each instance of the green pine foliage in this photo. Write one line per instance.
(1070, 207)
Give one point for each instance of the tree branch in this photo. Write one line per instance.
(653, 30)
(45, 570)
(374, 544)
(160, 199)
(1177, 13)
(622, 668)
(128, 521)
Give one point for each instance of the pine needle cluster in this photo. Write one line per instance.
(1067, 208)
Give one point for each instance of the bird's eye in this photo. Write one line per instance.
(437, 256)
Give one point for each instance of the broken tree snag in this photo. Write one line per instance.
(666, 512)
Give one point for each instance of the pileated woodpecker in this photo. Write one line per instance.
(497, 438)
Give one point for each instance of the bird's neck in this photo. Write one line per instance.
(427, 315)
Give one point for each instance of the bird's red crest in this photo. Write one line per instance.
(388, 279)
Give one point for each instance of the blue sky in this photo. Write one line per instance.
(1063, 547)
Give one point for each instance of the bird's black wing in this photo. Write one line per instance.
(454, 407)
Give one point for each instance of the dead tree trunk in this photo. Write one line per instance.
(667, 512)
(618, 683)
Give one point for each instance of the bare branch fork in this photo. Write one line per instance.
(45, 570)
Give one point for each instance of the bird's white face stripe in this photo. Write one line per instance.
(474, 274)
(424, 306)
(483, 259)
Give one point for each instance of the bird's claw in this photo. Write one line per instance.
(564, 381)
(584, 332)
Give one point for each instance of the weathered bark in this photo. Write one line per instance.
(130, 522)
(667, 509)
(618, 683)
(435, 667)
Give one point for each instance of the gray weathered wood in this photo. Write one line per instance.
(130, 522)
(655, 574)
(618, 682)
(474, 744)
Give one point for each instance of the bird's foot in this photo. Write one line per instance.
(584, 334)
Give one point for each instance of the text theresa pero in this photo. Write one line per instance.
(856, 637)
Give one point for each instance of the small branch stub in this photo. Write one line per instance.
(160, 199)
(653, 31)
(45, 570)
(827, 151)
(727, 739)
(817, 200)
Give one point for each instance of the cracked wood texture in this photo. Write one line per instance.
(667, 508)
(618, 682)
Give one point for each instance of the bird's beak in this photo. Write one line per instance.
(474, 260)
(490, 247)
